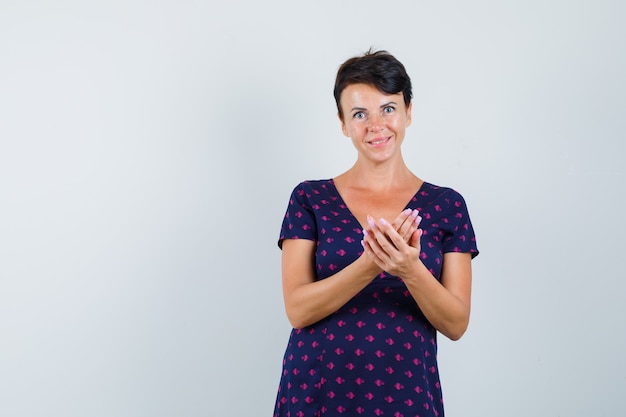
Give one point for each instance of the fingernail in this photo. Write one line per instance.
(370, 221)
(407, 211)
(365, 232)
(415, 213)
(363, 244)
(383, 221)
(418, 219)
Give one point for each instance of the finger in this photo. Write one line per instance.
(402, 219)
(372, 249)
(416, 239)
(410, 225)
(378, 238)
(390, 240)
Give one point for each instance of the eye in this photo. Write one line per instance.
(389, 109)
(359, 115)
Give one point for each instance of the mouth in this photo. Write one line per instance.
(379, 141)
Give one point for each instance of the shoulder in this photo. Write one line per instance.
(440, 194)
(311, 188)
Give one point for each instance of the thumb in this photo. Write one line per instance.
(415, 238)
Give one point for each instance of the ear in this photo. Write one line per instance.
(409, 118)
(343, 126)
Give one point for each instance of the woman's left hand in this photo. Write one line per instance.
(390, 251)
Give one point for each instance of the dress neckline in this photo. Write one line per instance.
(331, 181)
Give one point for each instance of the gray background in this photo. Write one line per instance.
(148, 149)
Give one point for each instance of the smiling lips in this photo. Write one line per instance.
(379, 141)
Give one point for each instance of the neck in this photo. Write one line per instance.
(384, 176)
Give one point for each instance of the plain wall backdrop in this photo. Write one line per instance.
(147, 154)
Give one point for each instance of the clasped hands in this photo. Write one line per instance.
(394, 247)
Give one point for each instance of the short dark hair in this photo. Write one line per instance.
(379, 69)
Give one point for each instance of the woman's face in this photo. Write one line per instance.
(375, 121)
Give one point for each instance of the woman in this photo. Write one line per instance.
(374, 262)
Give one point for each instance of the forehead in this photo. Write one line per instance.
(363, 94)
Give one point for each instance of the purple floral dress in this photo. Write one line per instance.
(376, 355)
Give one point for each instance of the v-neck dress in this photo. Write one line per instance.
(376, 355)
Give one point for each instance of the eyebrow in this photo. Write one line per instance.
(364, 109)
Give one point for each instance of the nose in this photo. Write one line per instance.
(375, 123)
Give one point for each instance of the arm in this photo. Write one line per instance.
(307, 300)
(445, 304)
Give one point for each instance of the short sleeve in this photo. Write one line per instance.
(299, 221)
(460, 237)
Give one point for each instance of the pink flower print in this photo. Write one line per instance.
(369, 396)
(398, 386)
(360, 324)
(350, 395)
(379, 353)
(380, 326)
(331, 394)
(350, 366)
(389, 399)
(369, 338)
(359, 381)
(389, 341)
(408, 402)
(359, 352)
(379, 382)
(341, 252)
(378, 412)
(398, 357)
(349, 239)
(349, 338)
(408, 374)
(389, 370)
(330, 365)
(369, 367)
(339, 351)
(372, 310)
